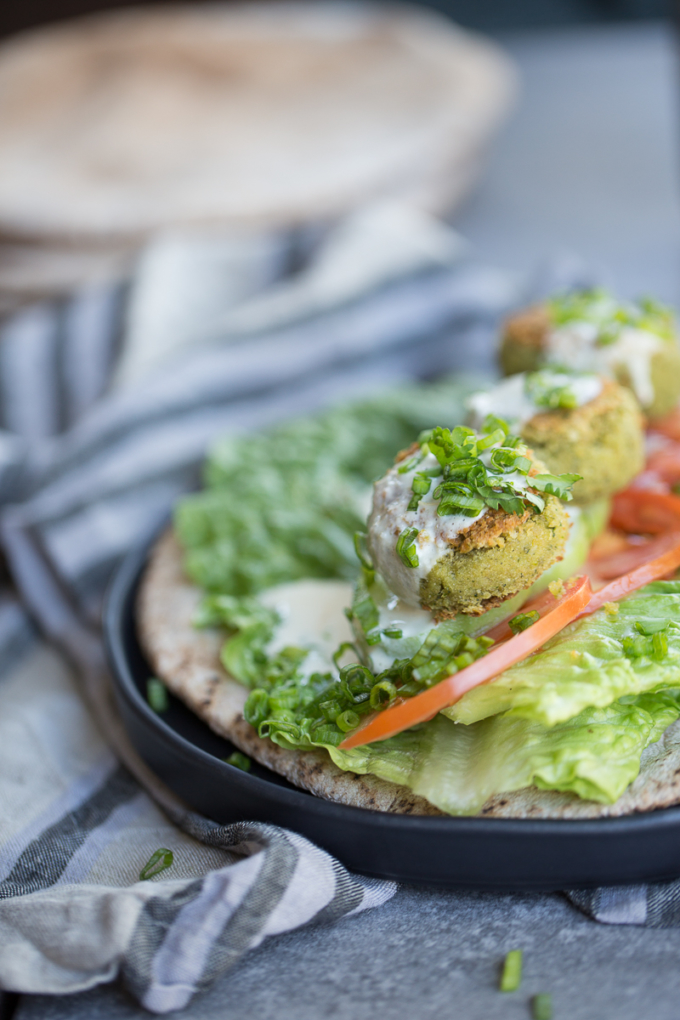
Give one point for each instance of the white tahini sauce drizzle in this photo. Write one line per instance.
(508, 400)
(575, 347)
(390, 516)
(312, 616)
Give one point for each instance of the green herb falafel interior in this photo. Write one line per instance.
(282, 507)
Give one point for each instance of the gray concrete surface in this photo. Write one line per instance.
(428, 955)
(588, 164)
(590, 161)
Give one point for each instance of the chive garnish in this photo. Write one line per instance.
(239, 761)
(542, 1006)
(346, 646)
(157, 695)
(511, 977)
(159, 861)
(523, 621)
(406, 547)
(382, 693)
(347, 720)
(610, 316)
(475, 471)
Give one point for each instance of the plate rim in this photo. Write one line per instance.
(124, 585)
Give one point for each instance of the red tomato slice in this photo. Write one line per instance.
(409, 712)
(669, 425)
(540, 604)
(666, 559)
(634, 555)
(665, 463)
(643, 511)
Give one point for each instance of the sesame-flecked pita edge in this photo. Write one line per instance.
(187, 661)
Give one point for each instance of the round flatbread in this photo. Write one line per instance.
(122, 123)
(187, 660)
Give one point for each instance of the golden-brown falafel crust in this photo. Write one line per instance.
(603, 441)
(665, 373)
(495, 558)
(522, 349)
(523, 340)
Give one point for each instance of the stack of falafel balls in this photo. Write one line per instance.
(583, 371)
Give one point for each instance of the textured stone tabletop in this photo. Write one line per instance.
(426, 955)
(587, 165)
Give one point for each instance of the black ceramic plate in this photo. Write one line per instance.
(482, 852)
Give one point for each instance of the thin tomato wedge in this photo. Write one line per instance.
(665, 463)
(666, 559)
(669, 425)
(643, 511)
(410, 712)
(631, 556)
(540, 604)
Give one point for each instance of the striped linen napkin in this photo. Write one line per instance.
(107, 402)
(106, 406)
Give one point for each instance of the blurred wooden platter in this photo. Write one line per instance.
(262, 114)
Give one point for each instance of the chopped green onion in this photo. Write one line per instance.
(542, 1006)
(408, 465)
(659, 646)
(157, 695)
(393, 632)
(491, 423)
(556, 485)
(406, 547)
(361, 550)
(347, 720)
(239, 761)
(421, 484)
(650, 627)
(511, 978)
(382, 693)
(523, 621)
(366, 612)
(413, 502)
(463, 660)
(497, 436)
(159, 861)
(346, 646)
(636, 647)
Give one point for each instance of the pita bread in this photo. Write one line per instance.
(263, 114)
(187, 660)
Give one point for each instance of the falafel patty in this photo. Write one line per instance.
(575, 423)
(449, 561)
(498, 556)
(635, 344)
(602, 441)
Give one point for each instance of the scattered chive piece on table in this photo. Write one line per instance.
(159, 861)
(511, 978)
(157, 695)
(542, 1006)
(239, 761)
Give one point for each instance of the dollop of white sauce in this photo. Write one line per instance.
(575, 347)
(312, 617)
(390, 516)
(509, 400)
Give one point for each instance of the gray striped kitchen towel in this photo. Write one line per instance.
(107, 402)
